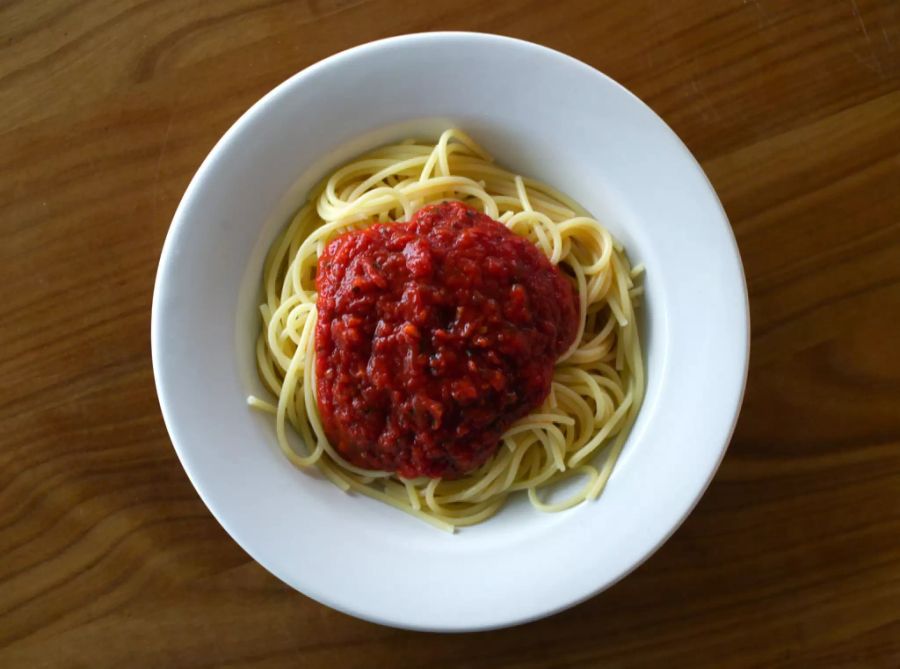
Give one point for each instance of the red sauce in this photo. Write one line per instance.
(433, 337)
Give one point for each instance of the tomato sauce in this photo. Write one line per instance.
(433, 337)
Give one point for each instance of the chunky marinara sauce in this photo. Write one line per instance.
(433, 336)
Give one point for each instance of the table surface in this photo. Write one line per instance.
(109, 558)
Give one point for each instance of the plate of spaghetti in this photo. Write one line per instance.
(450, 331)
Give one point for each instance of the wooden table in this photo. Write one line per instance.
(107, 555)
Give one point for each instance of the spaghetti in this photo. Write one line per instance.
(598, 383)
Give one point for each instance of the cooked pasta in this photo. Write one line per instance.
(598, 383)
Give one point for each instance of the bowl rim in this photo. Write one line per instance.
(181, 219)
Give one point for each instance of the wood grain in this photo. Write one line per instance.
(108, 557)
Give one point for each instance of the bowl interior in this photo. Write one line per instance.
(539, 113)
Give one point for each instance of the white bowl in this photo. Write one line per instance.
(545, 115)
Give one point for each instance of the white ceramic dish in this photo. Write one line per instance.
(543, 114)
